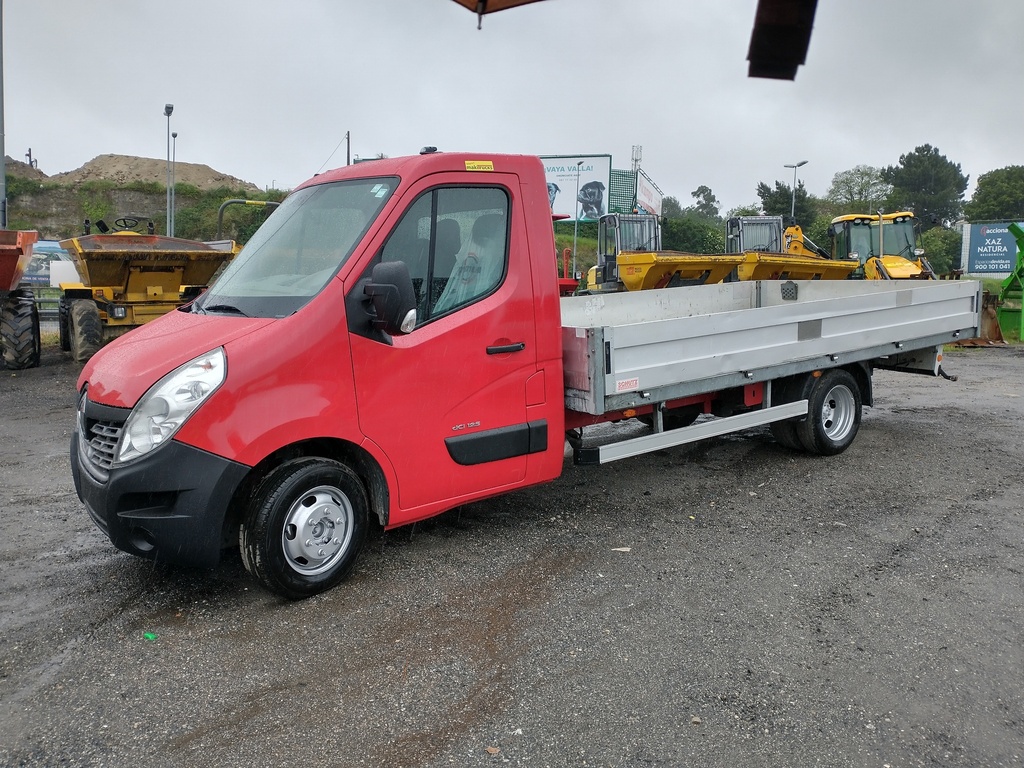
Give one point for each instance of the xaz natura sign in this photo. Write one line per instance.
(990, 248)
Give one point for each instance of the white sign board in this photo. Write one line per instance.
(578, 185)
(648, 196)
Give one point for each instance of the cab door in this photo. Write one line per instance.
(446, 403)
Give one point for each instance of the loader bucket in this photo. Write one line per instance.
(15, 254)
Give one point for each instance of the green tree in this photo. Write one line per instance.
(779, 201)
(692, 234)
(928, 184)
(707, 204)
(859, 190)
(818, 232)
(999, 196)
(670, 208)
(751, 209)
(942, 248)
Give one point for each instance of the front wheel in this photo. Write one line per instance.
(304, 527)
(86, 329)
(833, 414)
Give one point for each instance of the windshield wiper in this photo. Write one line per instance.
(229, 309)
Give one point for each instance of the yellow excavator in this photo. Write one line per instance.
(883, 244)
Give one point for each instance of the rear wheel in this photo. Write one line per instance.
(785, 435)
(784, 432)
(19, 330)
(86, 331)
(833, 414)
(304, 527)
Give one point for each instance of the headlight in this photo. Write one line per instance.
(166, 406)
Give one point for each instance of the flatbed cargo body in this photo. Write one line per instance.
(632, 349)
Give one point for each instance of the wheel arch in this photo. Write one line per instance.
(861, 373)
(791, 388)
(360, 461)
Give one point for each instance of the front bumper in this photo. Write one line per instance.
(169, 506)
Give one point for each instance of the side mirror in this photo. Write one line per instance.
(392, 298)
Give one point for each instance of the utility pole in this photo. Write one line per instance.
(3, 150)
(168, 109)
(576, 223)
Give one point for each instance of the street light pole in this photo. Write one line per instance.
(792, 208)
(174, 154)
(3, 151)
(168, 108)
(576, 227)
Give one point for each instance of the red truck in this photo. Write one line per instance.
(392, 343)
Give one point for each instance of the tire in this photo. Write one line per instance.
(85, 328)
(785, 435)
(19, 330)
(833, 414)
(64, 324)
(323, 497)
(784, 432)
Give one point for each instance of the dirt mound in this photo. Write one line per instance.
(123, 169)
(22, 170)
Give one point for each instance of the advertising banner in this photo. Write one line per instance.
(578, 185)
(648, 196)
(991, 248)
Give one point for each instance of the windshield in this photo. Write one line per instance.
(298, 250)
(897, 238)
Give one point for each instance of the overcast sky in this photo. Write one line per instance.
(265, 90)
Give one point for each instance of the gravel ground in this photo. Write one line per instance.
(724, 604)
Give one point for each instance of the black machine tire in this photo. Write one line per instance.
(833, 413)
(324, 499)
(64, 324)
(86, 330)
(19, 330)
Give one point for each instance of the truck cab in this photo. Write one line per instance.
(395, 321)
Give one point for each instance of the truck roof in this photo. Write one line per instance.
(424, 164)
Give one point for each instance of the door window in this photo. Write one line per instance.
(454, 240)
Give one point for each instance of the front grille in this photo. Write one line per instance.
(103, 437)
(99, 429)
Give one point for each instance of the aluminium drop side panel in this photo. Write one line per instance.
(623, 350)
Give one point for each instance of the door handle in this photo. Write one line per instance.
(519, 346)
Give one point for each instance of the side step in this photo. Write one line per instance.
(624, 449)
